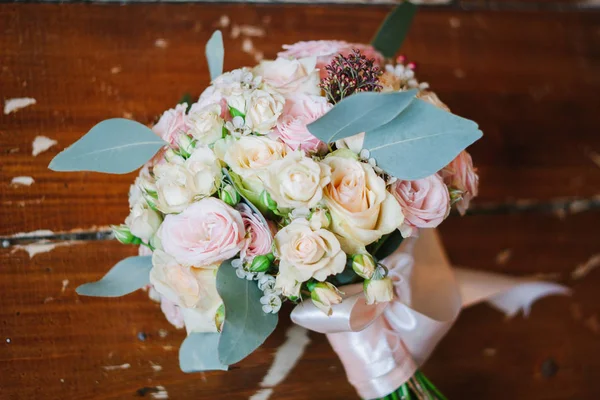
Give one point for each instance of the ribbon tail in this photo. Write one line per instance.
(507, 294)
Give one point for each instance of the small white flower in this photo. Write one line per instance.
(372, 162)
(271, 303)
(236, 263)
(413, 83)
(364, 154)
(266, 283)
(300, 212)
(423, 85)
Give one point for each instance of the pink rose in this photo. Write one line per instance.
(299, 111)
(172, 312)
(259, 239)
(425, 203)
(171, 123)
(325, 50)
(205, 233)
(460, 175)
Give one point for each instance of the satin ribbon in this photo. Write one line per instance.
(382, 345)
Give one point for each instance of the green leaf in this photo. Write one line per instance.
(127, 276)
(198, 352)
(360, 112)
(246, 326)
(215, 53)
(116, 146)
(386, 245)
(235, 112)
(187, 99)
(420, 141)
(251, 198)
(392, 32)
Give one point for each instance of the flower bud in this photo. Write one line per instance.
(123, 234)
(229, 195)
(260, 264)
(363, 265)
(378, 290)
(172, 157)
(186, 144)
(320, 219)
(266, 199)
(220, 317)
(324, 295)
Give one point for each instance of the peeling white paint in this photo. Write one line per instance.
(33, 249)
(22, 180)
(116, 367)
(161, 43)
(65, 283)
(161, 394)
(41, 144)
(39, 232)
(286, 358)
(13, 105)
(156, 367)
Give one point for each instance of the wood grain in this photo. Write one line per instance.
(60, 342)
(529, 79)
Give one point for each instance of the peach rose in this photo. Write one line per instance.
(299, 111)
(425, 203)
(325, 50)
(259, 238)
(172, 312)
(171, 124)
(460, 175)
(207, 232)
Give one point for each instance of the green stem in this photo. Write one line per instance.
(427, 383)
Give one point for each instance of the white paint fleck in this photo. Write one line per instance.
(459, 73)
(62, 380)
(39, 232)
(583, 269)
(22, 180)
(252, 31)
(163, 333)
(161, 394)
(7, 340)
(115, 70)
(224, 21)
(503, 257)
(13, 105)
(258, 56)
(41, 144)
(33, 249)
(156, 367)
(161, 43)
(235, 31)
(65, 283)
(247, 46)
(116, 367)
(168, 347)
(286, 357)
(454, 22)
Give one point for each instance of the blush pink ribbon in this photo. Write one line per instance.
(382, 345)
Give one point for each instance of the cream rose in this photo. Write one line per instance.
(207, 232)
(250, 156)
(143, 222)
(171, 124)
(306, 253)
(289, 76)
(179, 182)
(192, 289)
(263, 108)
(361, 209)
(206, 124)
(425, 203)
(297, 181)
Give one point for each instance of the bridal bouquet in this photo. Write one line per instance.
(291, 181)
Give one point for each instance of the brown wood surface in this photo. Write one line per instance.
(530, 79)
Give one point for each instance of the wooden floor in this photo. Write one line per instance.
(531, 79)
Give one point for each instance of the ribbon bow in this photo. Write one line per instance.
(382, 345)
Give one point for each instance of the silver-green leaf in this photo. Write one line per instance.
(198, 352)
(215, 53)
(420, 141)
(392, 32)
(360, 112)
(127, 276)
(246, 326)
(116, 146)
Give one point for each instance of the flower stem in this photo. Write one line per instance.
(418, 387)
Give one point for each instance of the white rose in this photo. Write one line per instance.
(179, 183)
(289, 286)
(250, 156)
(206, 124)
(188, 287)
(236, 82)
(263, 108)
(291, 75)
(353, 143)
(297, 181)
(143, 221)
(362, 211)
(306, 253)
(378, 290)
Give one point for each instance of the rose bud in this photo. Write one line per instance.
(123, 234)
(266, 199)
(320, 219)
(260, 264)
(363, 265)
(186, 144)
(378, 290)
(324, 295)
(229, 195)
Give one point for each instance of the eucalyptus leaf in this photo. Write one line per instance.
(420, 141)
(198, 352)
(116, 146)
(187, 99)
(126, 276)
(393, 30)
(246, 326)
(215, 53)
(360, 112)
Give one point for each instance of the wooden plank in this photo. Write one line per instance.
(55, 344)
(527, 78)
